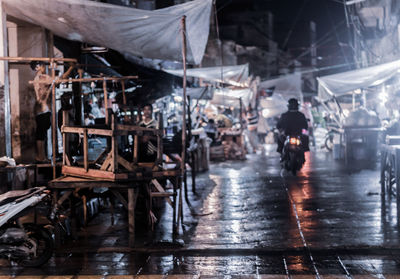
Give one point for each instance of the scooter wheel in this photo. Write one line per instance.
(41, 238)
(329, 144)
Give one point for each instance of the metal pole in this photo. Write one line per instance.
(364, 98)
(241, 112)
(193, 157)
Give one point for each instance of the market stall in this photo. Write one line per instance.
(229, 144)
(134, 32)
(229, 119)
(343, 94)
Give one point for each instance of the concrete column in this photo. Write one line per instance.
(25, 40)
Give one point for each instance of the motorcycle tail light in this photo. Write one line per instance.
(293, 141)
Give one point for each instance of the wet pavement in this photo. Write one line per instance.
(248, 219)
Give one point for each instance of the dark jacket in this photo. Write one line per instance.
(292, 123)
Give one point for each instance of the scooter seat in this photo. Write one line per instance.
(13, 195)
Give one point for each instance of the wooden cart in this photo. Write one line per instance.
(117, 173)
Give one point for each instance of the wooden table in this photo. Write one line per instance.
(71, 184)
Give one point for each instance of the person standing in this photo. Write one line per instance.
(42, 85)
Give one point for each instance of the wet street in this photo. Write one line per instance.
(249, 219)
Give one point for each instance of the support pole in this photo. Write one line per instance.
(131, 215)
(193, 156)
(80, 98)
(53, 118)
(123, 92)
(183, 165)
(106, 101)
(4, 79)
(183, 21)
(241, 114)
(364, 98)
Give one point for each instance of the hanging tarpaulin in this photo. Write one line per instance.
(346, 82)
(231, 98)
(152, 34)
(288, 86)
(233, 75)
(273, 106)
(203, 93)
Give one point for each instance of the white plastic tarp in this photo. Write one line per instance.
(346, 82)
(151, 34)
(273, 106)
(288, 86)
(234, 75)
(203, 93)
(231, 98)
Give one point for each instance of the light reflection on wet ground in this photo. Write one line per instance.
(242, 221)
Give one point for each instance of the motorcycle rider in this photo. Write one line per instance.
(292, 123)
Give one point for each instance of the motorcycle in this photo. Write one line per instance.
(293, 154)
(28, 244)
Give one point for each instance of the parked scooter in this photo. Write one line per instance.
(328, 142)
(28, 244)
(292, 158)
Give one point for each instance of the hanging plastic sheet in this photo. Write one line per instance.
(151, 34)
(288, 86)
(273, 106)
(233, 75)
(203, 93)
(346, 82)
(231, 98)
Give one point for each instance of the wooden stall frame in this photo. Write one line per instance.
(109, 168)
(80, 80)
(53, 62)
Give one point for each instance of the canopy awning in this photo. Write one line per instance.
(203, 93)
(231, 98)
(233, 75)
(346, 82)
(152, 34)
(288, 86)
(273, 106)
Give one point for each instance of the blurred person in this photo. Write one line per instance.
(211, 129)
(88, 116)
(148, 144)
(252, 123)
(262, 129)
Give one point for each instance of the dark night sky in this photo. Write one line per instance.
(327, 14)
